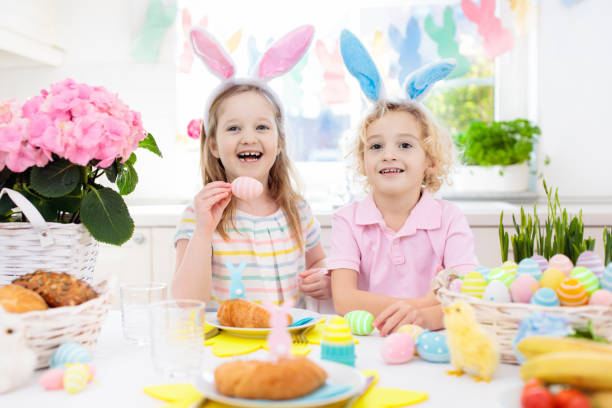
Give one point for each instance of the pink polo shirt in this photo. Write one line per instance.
(402, 263)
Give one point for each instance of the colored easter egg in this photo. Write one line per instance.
(592, 261)
(572, 293)
(562, 263)
(523, 288)
(246, 188)
(510, 267)
(502, 275)
(455, 285)
(541, 261)
(552, 278)
(473, 284)
(606, 278)
(360, 322)
(496, 291)
(530, 267)
(76, 377)
(397, 348)
(545, 297)
(432, 347)
(337, 343)
(52, 379)
(601, 297)
(411, 329)
(69, 353)
(586, 277)
(483, 270)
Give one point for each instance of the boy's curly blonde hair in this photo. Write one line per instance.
(436, 141)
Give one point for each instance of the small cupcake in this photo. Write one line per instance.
(337, 343)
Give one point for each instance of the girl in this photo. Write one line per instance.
(388, 247)
(274, 237)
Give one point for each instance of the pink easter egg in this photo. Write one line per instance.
(455, 286)
(51, 379)
(601, 297)
(246, 188)
(562, 263)
(523, 288)
(592, 261)
(397, 348)
(541, 261)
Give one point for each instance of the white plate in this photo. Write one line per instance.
(296, 314)
(337, 373)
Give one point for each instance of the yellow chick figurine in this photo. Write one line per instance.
(471, 348)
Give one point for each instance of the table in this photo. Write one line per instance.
(123, 369)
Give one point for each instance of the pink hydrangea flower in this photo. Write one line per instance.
(194, 128)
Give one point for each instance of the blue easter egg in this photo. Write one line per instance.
(606, 278)
(530, 267)
(69, 353)
(432, 347)
(545, 297)
(483, 270)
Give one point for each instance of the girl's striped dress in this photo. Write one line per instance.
(266, 245)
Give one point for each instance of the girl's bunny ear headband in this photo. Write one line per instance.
(361, 66)
(279, 58)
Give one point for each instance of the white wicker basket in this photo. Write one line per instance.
(46, 330)
(502, 319)
(28, 246)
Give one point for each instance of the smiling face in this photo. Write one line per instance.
(246, 137)
(395, 162)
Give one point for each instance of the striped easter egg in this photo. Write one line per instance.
(510, 267)
(542, 262)
(360, 322)
(572, 293)
(501, 274)
(552, 278)
(473, 284)
(591, 260)
(606, 278)
(586, 277)
(529, 267)
(411, 329)
(76, 377)
(69, 353)
(246, 188)
(337, 331)
(483, 270)
(562, 263)
(545, 297)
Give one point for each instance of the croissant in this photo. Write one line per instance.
(242, 313)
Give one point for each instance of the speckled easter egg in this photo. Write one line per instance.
(397, 348)
(510, 267)
(69, 353)
(562, 263)
(483, 270)
(552, 278)
(601, 297)
(592, 261)
(473, 284)
(523, 288)
(530, 267)
(545, 297)
(496, 291)
(502, 275)
(541, 261)
(411, 329)
(455, 285)
(586, 277)
(76, 377)
(360, 322)
(606, 278)
(246, 188)
(432, 347)
(572, 293)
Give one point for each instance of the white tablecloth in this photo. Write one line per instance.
(122, 370)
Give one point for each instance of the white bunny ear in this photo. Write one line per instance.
(212, 53)
(284, 53)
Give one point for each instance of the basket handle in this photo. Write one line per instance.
(37, 220)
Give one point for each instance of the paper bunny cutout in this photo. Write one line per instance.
(237, 289)
(496, 39)
(444, 37)
(186, 57)
(407, 47)
(279, 340)
(361, 66)
(158, 19)
(17, 361)
(335, 90)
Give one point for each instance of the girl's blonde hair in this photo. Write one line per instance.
(436, 141)
(280, 176)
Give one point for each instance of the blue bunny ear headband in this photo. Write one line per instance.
(361, 65)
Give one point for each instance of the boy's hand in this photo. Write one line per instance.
(315, 283)
(396, 315)
(209, 204)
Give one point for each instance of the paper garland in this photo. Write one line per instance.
(496, 39)
(335, 90)
(408, 47)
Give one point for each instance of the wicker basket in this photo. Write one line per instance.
(28, 246)
(503, 318)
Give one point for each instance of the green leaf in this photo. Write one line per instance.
(150, 144)
(127, 178)
(6, 204)
(5, 174)
(112, 171)
(106, 217)
(70, 203)
(42, 205)
(56, 179)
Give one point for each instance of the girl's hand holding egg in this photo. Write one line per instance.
(209, 204)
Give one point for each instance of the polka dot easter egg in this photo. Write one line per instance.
(562, 263)
(572, 293)
(545, 297)
(523, 288)
(501, 275)
(432, 347)
(360, 322)
(483, 270)
(541, 261)
(606, 278)
(530, 267)
(397, 348)
(246, 188)
(601, 297)
(496, 291)
(552, 278)
(510, 267)
(473, 284)
(586, 277)
(69, 353)
(591, 260)
(76, 377)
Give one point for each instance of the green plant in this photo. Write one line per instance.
(607, 241)
(496, 143)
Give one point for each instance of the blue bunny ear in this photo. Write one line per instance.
(423, 79)
(360, 65)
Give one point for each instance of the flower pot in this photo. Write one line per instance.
(511, 179)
